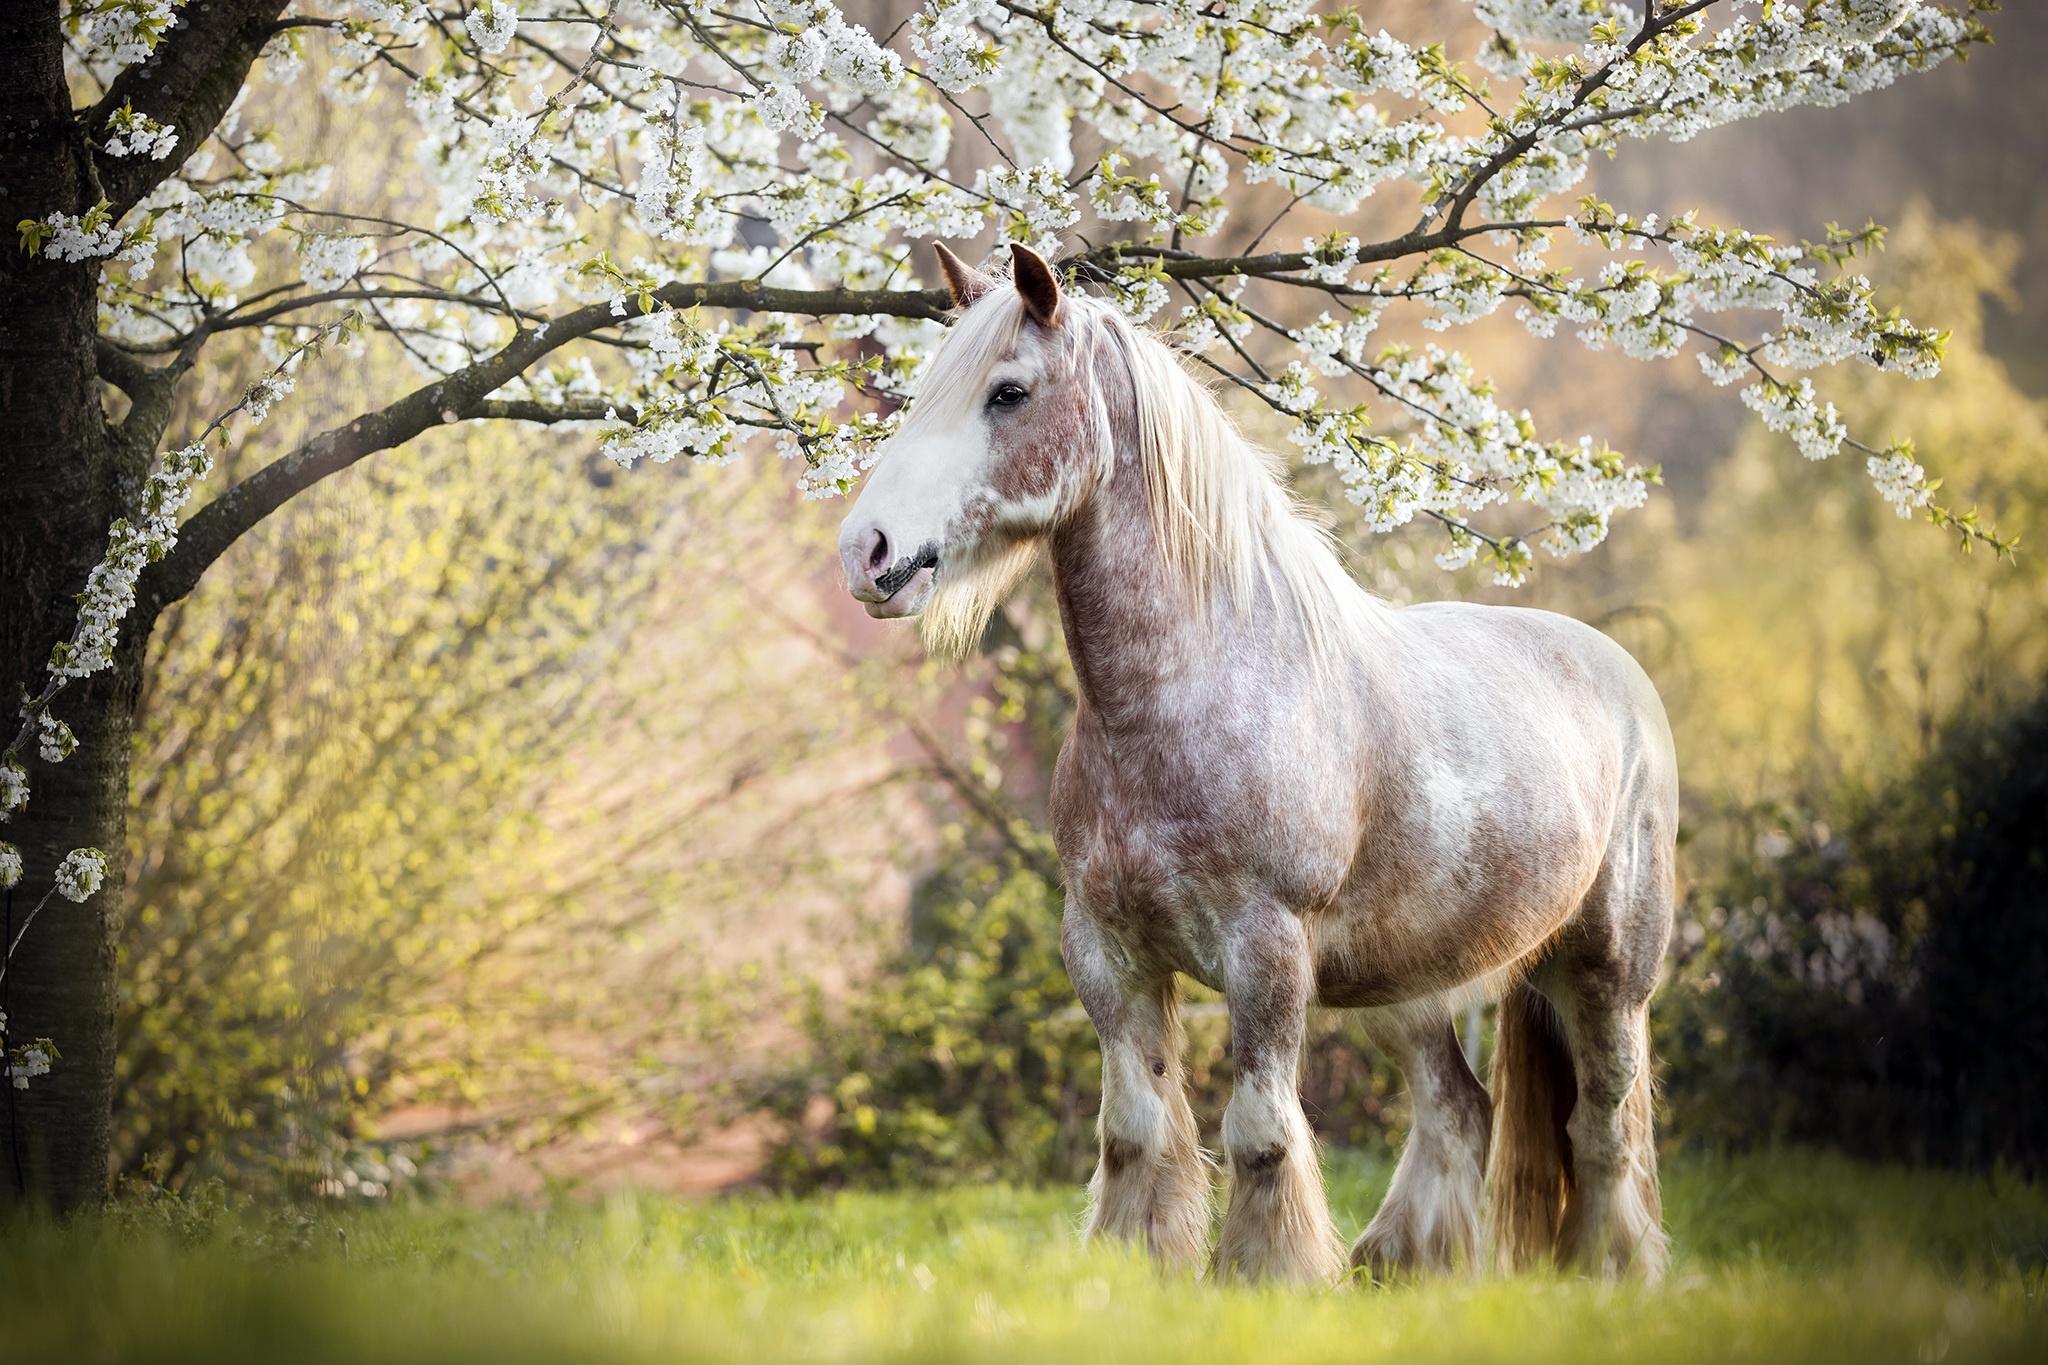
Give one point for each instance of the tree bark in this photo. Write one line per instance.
(62, 481)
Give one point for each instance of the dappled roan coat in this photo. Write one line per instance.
(1297, 794)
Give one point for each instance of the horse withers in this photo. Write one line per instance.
(1295, 793)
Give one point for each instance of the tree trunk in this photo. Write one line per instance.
(62, 481)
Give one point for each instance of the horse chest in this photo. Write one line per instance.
(1164, 862)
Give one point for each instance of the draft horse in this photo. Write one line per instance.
(1296, 793)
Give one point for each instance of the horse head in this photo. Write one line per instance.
(1005, 439)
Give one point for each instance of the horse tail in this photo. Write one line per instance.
(1529, 1173)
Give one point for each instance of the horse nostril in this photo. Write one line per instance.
(878, 553)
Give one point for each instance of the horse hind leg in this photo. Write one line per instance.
(1613, 1223)
(1152, 1183)
(1277, 1225)
(1429, 1221)
(1602, 974)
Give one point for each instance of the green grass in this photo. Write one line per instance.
(1781, 1258)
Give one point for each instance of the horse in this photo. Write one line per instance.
(1296, 793)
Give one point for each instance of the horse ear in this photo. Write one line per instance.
(1036, 282)
(963, 281)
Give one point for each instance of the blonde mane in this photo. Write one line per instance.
(1223, 521)
(1222, 518)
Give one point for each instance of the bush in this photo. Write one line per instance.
(970, 1060)
(1879, 990)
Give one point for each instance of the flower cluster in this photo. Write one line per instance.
(1899, 479)
(80, 874)
(491, 26)
(780, 144)
(133, 134)
(30, 1061)
(329, 262)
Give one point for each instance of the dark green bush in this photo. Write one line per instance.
(1881, 989)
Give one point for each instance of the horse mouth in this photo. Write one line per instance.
(906, 586)
(907, 600)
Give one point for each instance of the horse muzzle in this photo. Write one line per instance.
(890, 583)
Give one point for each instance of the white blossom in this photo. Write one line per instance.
(957, 55)
(133, 134)
(784, 109)
(80, 874)
(491, 24)
(120, 33)
(29, 1063)
(54, 740)
(75, 238)
(330, 262)
(1899, 480)
(1814, 426)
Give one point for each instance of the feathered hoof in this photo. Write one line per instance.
(1162, 1205)
(1404, 1242)
(1278, 1226)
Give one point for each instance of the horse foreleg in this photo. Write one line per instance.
(1151, 1185)
(1278, 1222)
(1429, 1220)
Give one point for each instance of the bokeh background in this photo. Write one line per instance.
(505, 822)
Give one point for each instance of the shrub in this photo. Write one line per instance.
(1881, 989)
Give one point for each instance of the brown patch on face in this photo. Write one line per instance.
(977, 517)
(1047, 446)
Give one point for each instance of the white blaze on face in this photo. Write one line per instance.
(912, 518)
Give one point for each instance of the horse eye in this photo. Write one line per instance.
(1008, 396)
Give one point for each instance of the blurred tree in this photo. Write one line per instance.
(1823, 641)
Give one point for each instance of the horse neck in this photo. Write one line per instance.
(1133, 633)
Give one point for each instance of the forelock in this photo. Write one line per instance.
(985, 333)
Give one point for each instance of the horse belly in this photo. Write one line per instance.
(1409, 925)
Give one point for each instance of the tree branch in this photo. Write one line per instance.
(123, 370)
(461, 396)
(187, 84)
(572, 410)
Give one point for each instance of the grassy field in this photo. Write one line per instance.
(1783, 1258)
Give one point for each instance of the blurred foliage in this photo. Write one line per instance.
(1854, 706)
(449, 785)
(1879, 989)
(1809, 638)
(336, 735)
